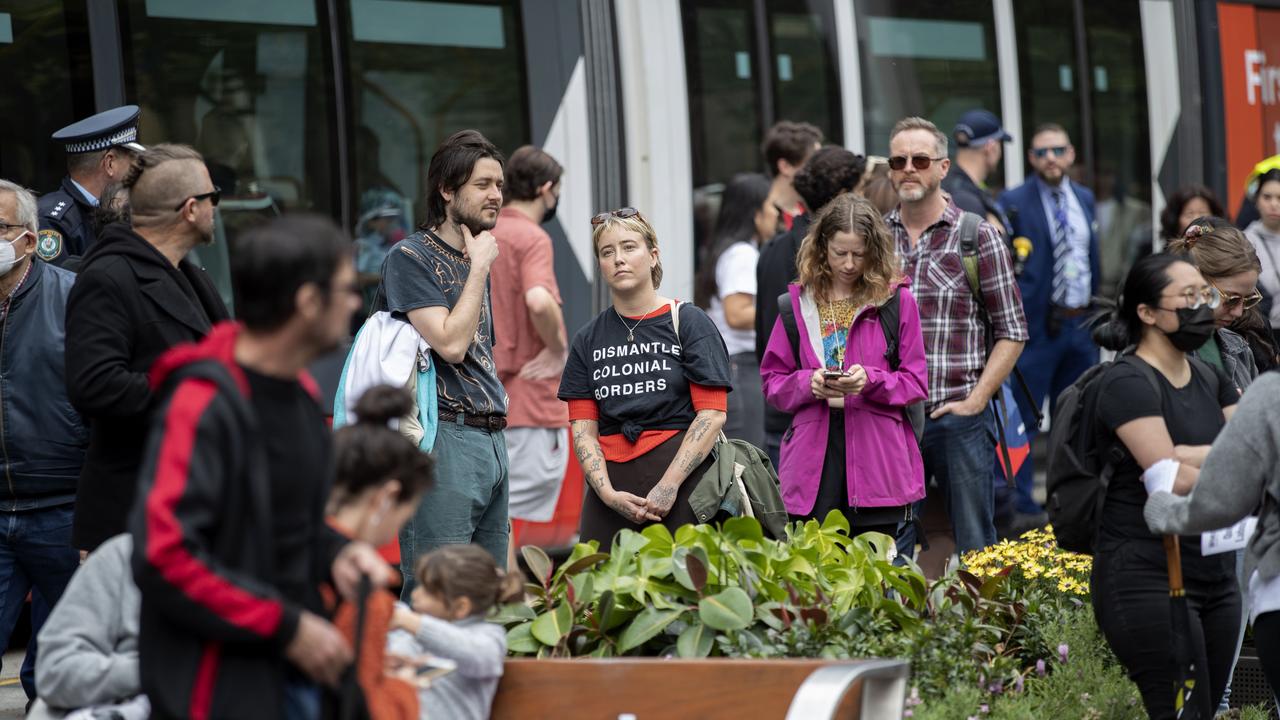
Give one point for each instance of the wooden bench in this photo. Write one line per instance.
(713, 689)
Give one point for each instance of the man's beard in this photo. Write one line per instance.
(475, 223)
(913, 193)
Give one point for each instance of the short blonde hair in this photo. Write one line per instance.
(636, 224)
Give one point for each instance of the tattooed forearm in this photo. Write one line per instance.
(590, 456)
(697, 444)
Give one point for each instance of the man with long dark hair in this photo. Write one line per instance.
(437, 280)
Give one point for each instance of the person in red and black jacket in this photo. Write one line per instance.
(230, 540)
(647, 397)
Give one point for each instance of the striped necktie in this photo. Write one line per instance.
(1061, 250)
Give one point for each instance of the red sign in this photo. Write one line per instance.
(1246, 95)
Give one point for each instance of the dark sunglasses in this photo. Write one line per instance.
(919, 162)
(1058, 151)
(623, 213)
(1231, 300)
(212, 196)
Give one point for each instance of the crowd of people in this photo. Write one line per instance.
(863, 321)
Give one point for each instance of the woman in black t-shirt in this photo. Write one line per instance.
(1166, 310)
(646, 402)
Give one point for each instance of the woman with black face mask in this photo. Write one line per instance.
(1157, 403)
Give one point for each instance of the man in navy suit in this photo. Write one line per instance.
(1058, 281)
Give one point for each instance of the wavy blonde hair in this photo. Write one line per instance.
(637, 224)
(880, 269)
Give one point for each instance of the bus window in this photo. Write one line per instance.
(419, 72)
(930, 58)
(49, 85)
(806, 83)
(247, 84)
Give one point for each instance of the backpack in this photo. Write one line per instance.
(1080, 464)
(889, 314)
(740, 482)
(968, 232)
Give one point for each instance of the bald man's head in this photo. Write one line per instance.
(163, 177)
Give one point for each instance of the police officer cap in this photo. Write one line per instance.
(979, 127)
(111, 128)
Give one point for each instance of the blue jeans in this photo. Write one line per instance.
(468, 503)
(35, 555)
(959, 452)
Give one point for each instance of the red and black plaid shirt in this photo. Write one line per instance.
(954, 336)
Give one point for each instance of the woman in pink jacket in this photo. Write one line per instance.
(850, 446)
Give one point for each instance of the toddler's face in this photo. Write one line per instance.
(428, 603)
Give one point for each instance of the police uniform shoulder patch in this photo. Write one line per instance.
(49, 244)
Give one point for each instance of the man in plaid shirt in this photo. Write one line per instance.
(959, 445)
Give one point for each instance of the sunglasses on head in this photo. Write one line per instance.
(919, 162)
(1057, 151)
(623, 213)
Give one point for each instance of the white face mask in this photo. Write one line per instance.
(9, 256)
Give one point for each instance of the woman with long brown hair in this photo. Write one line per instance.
(850, 446)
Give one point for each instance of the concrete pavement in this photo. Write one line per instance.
(12, 699)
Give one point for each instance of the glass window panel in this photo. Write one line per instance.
(806, 85)
(412, 87)
(721, 72)
(1047, 68)
(44, 54)
(931, 58)
(724, 102)
(1122, 156)
(249, 86)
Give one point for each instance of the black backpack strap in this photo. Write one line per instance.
(788, 316)
(890, 313)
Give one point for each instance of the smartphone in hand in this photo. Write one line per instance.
(833, 374)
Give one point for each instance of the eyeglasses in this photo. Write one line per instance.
(1057, 151)
(1208, 296)
(212, 196)
(919, 162)
(1232, 300)
(622, 213)
(6, 227)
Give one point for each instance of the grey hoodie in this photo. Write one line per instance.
(1242, 466)
(89, 645)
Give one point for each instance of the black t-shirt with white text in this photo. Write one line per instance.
(644, 384)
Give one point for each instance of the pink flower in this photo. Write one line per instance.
(1040, 668)
(1062, 652)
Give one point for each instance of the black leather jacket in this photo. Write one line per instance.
(42, 438)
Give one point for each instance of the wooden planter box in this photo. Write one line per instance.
(713, 689)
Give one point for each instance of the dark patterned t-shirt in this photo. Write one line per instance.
(423, 271)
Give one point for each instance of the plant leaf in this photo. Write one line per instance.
(512, 612)
(736, 529)
(646, 626)
(520, 640)
(695, 641)
(729, 609)
(538, 562)
(551, 626)
(582, 563)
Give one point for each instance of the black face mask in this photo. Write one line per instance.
(550, 214)
(1195, 327)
